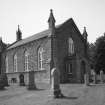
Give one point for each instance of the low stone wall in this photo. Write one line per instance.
(41, 77)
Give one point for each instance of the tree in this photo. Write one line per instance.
(91, 54)
(99, 54)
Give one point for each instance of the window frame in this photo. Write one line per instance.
(15, 63)
(26, 61)
(40, 58)
(71, 50)
(7, 65)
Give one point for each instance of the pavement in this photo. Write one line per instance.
(75, 94)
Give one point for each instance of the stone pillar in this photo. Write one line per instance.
(31, 84)
(101, 76)
(86, 79)
(55, 83)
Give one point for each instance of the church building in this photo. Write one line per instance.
(61, 46)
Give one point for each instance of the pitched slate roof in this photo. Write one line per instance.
(38, 36)
(29, 39)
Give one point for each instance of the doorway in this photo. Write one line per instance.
(69, 71)
(21, 80)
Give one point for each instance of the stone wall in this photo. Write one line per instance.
(32, 48)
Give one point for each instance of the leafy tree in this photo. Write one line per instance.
(99, 54)
(91, 54)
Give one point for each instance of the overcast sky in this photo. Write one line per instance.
(32, 16)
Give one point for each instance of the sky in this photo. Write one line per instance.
(32, 16)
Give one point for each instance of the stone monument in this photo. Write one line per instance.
(55, 83)
(101, 76)
(94, 77)
(86, 79)
(31, 84)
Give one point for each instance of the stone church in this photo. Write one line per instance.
(61, 46)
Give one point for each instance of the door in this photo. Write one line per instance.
(21, 80)
(69, 71)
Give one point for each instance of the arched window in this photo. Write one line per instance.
(15, 63)
(70, 46)
(6, 64)
(26, 61)
(40, 58)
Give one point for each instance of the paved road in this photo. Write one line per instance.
(76, 94)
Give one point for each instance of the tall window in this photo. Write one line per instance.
(40, 59)
(26, 61)
(15, 63)
(6, 64)
(70, 46)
